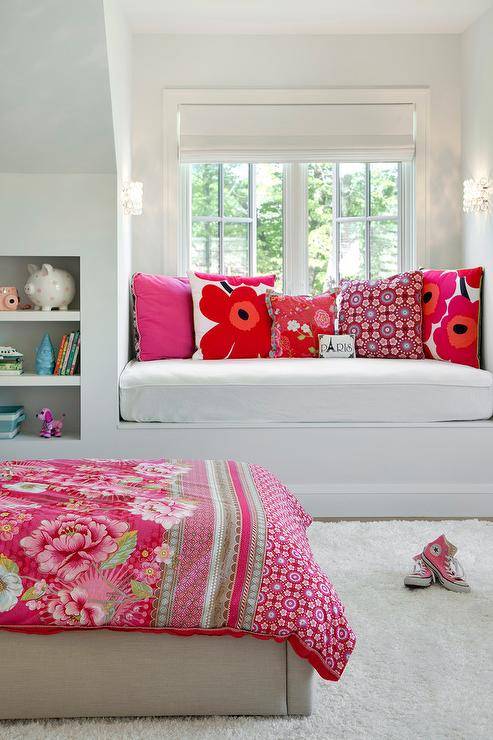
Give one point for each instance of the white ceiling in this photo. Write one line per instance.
(302, 16)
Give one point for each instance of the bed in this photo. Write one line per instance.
(125, 585)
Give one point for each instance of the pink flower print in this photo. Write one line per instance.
(149, 572)
(322, 318)
(72, 607)
(157, 469)
(164, 554)
(8, 527)
(23, 517)
(70, 544)
(166, 511)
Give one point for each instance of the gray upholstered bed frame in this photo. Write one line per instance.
(104, 673)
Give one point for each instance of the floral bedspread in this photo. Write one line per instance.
(204, 547)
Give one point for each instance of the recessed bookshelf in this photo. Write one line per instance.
(24, 330)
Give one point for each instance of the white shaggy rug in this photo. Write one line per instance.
(423, 665)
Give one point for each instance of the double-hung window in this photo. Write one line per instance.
(236, 213)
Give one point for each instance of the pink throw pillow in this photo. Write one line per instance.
(297, 320)
(384, 316)
(451, 314)
(230, 316)
(163, 317)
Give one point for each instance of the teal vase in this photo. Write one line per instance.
(45, 357)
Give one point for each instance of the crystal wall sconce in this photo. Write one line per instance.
(131, 198)
(476, 196)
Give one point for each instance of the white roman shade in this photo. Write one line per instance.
(296, 132)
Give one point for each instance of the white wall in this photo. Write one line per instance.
(55, 108)
(119, 50)
(477, 151)
(161, 61)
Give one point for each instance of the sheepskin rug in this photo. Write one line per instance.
(423, 665)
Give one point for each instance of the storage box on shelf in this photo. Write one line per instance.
(24, 330)
(11, 418)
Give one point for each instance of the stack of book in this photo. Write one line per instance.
(67, 362)
(11, 361)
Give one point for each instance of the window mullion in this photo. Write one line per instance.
(295, 228)
(336, 214)
(367, 222)
(400, 230)
(252, 227)
(185, 222)
(221, 219)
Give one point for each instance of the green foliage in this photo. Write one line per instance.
(8, 564)
(126, 545)
(320, 243)
(141, 590)
(270, 220)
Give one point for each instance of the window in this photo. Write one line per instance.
(311, 224)
(354, 222)
(237, 218)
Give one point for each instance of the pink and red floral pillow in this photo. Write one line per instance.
(451, 314)
(384, 316)
(298, 320)
(230, 316)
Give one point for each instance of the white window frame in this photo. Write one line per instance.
(220, 219)
(414, 191)
(404, 212)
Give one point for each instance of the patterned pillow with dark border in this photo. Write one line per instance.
(451, 315)
(384, 316)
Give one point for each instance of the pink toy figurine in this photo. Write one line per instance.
(51, 427)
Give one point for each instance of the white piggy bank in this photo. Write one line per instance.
(48, 287)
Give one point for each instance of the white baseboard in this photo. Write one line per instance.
(399, 500)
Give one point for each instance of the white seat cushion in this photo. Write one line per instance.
(304, 390)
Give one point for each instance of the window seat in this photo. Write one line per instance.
(304, 390)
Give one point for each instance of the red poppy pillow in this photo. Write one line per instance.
(297, 320)
(451, 314)
(230, 316)
(384, 316)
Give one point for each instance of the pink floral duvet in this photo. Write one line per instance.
(210, 547)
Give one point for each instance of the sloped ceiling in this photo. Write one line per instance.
(55, 104)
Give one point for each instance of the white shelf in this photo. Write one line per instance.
(34, 437)
(39, 315)
(32, 379)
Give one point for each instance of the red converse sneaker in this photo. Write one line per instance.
(439, 557)
(421, 576)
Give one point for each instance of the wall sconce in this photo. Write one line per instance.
(476, 196)
(132, 193)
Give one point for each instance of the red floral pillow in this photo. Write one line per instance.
(230, 316)
(451, 313)
(384, 316)
(297, 320)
